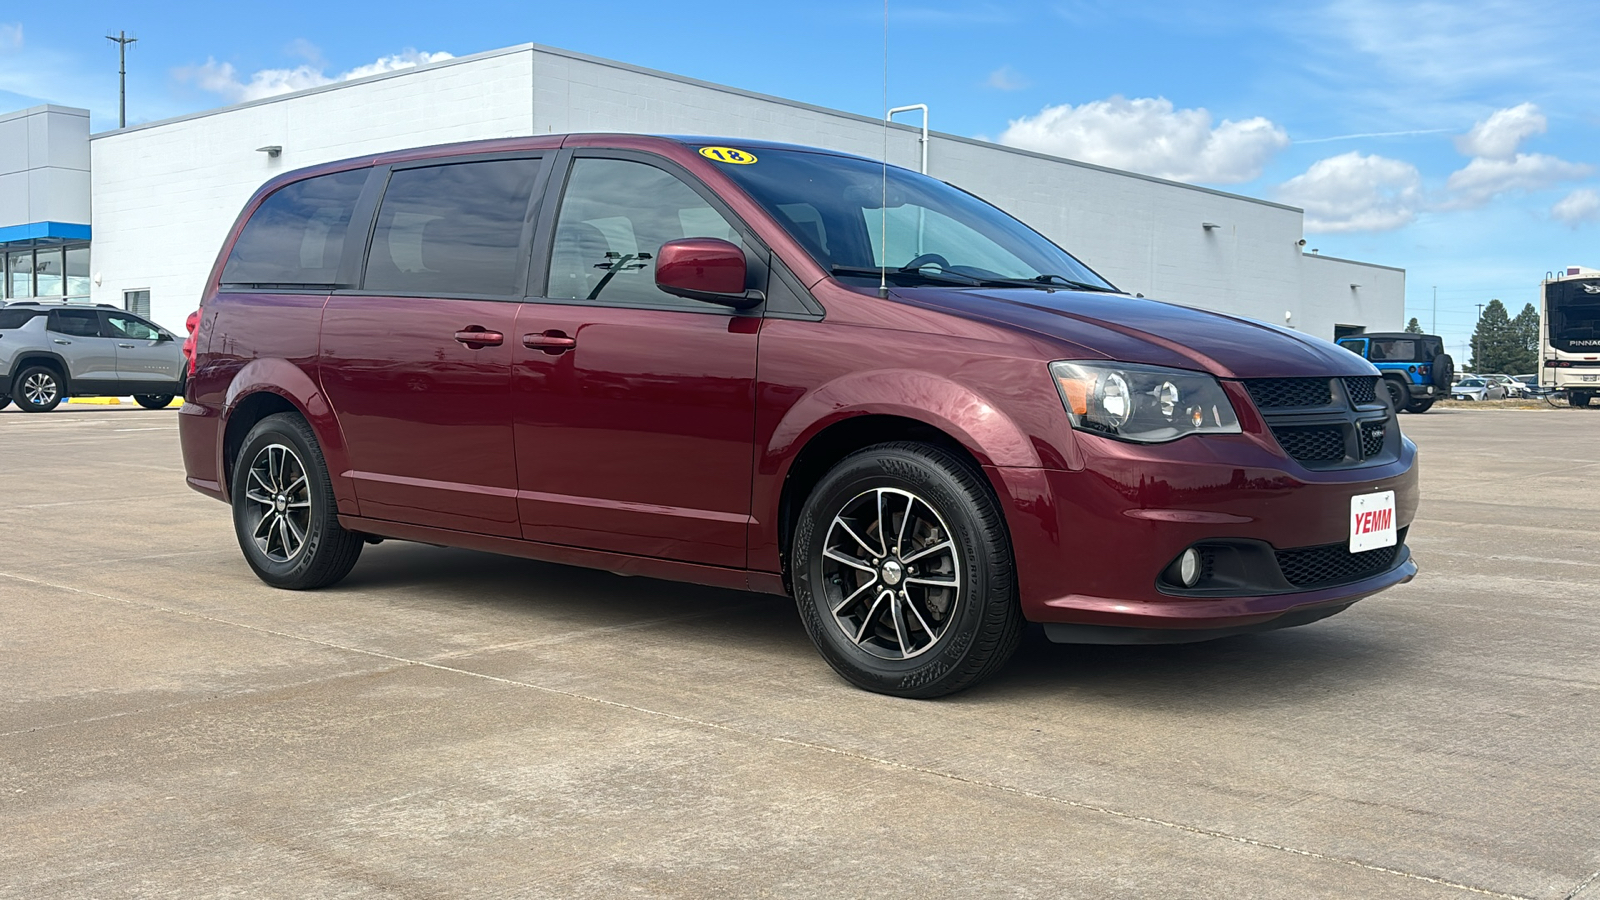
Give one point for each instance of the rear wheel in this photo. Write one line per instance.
(1420, 406)
(153, 401)
(37, 389)
(5, 401)
(903, 572)
(283, 508)
(1399, 394)
(1576, 398)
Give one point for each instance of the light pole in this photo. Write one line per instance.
(1476, 330)
(1436, 309)
(122, 41)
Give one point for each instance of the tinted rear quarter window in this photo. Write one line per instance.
(76, 322)
(297, 235)
(453, 229)
(16, 318)
(1394, 351)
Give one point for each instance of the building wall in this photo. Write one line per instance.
(166, 193)
(44, 166)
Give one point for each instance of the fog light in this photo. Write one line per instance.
(1189, 567)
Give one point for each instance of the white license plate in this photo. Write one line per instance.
(1591, 378)
(1372, 521)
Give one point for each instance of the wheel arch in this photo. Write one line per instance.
(28, 358)
(266, 387)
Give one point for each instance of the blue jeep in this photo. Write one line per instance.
(1416, 370)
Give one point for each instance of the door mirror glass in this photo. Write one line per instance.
(708, 269)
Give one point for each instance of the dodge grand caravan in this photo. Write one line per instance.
(779, 369)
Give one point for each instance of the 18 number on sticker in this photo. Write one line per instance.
(728, 155)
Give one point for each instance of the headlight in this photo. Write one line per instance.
(1148, 404)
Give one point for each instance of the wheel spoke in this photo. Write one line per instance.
(836, 556)
(929, 582)
(258, 497)
(920, 620)
(259, 480)
(283, 536)
(265, 525)
(866, 621)
(925, 551)
(858, 539)
(296, 532)
(900, 538)
(900, 626)
(883, 533)
(856, 593)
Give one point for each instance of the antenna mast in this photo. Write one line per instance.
(122, 41)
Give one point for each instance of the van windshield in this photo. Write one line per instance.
(851, 222)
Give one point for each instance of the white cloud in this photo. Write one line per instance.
(10, 35)
(1484, 179)
(1352, 192)
(1582, 205)
(1147, 135)
(1498, 136)
(222, 79)
(1006, 78)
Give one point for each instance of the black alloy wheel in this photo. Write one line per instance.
(284, 513)
(37, 389)
(903, 572)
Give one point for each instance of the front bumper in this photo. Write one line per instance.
(1091, 544)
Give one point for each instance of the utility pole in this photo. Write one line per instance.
(122, 41)
(1475, 331)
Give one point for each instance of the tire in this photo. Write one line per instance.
(153, 401)
(1443, 370)
(268, 495)
(948, 636)
(1576, 399)
(1399, 394)
(37, 389)
(1420, 406)
(5, 401)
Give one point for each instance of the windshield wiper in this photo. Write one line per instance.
(1047, 282)
(932, 277)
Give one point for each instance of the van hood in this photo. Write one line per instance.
(1139, 330)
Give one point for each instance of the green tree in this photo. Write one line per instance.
(1413, 326)
(1497, 344)
(1526, 325)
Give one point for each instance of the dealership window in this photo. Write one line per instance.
(454, 229)
(19, 275)
(137, 302)
(77, 268)
(296, 236)
(49, 273)
(59, 272)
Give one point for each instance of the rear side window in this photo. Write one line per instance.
(76, 322)
(1394, 351)
(16, 318)
(1356, 347)
(296, 236)
(453, 229)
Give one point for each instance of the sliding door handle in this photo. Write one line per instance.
(477, 336)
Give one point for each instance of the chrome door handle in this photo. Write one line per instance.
(476, 337)
(60, 341)
(126, 346)
(551, 342)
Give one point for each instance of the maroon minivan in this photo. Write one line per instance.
(781, 369)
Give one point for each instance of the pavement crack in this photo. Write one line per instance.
(1572, 894)
(1011, 790)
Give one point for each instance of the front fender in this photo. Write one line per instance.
(294, 384)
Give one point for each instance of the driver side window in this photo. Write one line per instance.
(129, 328)
(615, 215)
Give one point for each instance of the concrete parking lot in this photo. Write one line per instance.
(446, 723)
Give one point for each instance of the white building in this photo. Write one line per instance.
(44, 203)
(166, 193)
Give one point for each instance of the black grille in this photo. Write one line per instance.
(1279, 393)
(1313, 442)
(1372, 438)
(1362, 389)
(1334, 563)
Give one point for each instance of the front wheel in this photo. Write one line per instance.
(1420, 406)
(283, 508)
(153, 401)
(5, 401)
(38, 389)
(903, 572)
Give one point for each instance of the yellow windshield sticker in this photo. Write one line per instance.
(728, 155)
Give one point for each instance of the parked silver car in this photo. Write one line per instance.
(50, 351)
(1476, 387)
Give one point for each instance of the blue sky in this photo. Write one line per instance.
(1459, 140)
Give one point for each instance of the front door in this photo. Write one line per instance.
(148, 361)
(417, 364)
(635, 409)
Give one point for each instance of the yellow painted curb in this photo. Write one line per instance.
(96, 401)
